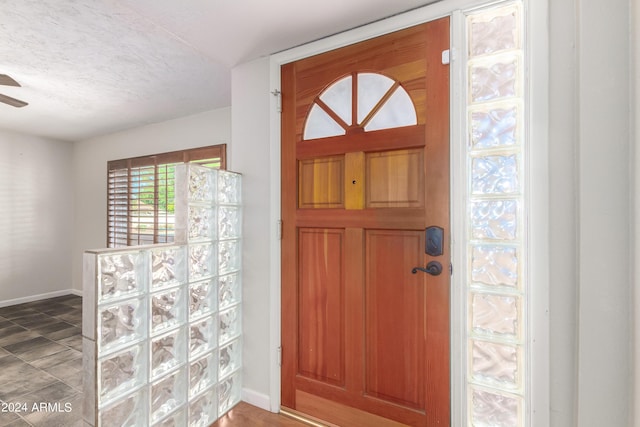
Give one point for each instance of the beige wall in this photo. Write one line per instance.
(36, 217)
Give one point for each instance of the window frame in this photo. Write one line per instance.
(193, 155)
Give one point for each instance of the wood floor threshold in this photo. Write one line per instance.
(304, 418)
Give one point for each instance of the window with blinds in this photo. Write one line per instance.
(140, 196)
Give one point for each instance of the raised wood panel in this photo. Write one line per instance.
(394, 317)
(321, 182)
(321, 339)
(395, 179)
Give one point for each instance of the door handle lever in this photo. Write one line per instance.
(433, 268)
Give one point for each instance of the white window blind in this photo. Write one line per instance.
(140, 200)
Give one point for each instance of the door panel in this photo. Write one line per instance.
(362, 337)
(395, 179)
(321, 182)
(394, 317)
(321, 344)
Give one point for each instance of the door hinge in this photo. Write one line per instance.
(278, 96)
(280, 356)
(279, 229)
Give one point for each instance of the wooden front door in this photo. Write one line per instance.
(365, 170)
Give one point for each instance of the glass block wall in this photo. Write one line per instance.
(161, 328)
(495, 223)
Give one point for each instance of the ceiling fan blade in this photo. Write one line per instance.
(12, 101)
(8, 81)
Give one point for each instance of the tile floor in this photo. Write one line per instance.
(41, 363)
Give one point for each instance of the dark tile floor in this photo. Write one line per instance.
(41, 363)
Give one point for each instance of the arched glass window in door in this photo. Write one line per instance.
(376, 102)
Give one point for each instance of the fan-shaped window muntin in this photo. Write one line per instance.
(377, 102)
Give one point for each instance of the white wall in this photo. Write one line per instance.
(563, 211)
(36, 217)
(250, 152)
(591, 288)
(90, 169)
(605, 292)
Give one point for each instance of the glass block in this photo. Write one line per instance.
(493, 32)
(120, 274)
(167, 394)
(496, 219)
(201, 261)
(397, 111)
(229, 324)
(494, 314)
(494, 410)
(203, 373)
(202, 298)
(495, 364)
(201, 223)
(229, 256)
(168, 266)
(168, 309)
(203, 336)
(371, 88)
(176, 419)
(228, 393)
(230, 358)
(338, 98)
(229, 223)
(129, 411)
(494, 175)
(320, 125)
(202, 186)
(493, 81)
(203, 410)
(120, 372)
(229, 188)
(168, 351)
(496, 127)
(121, 323)
(230, 292)
(494, 265)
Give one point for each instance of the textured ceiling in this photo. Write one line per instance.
(92, 67)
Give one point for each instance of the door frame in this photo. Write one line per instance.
(537, 411)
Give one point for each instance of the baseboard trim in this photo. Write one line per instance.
(255, 398)
(31, 298)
